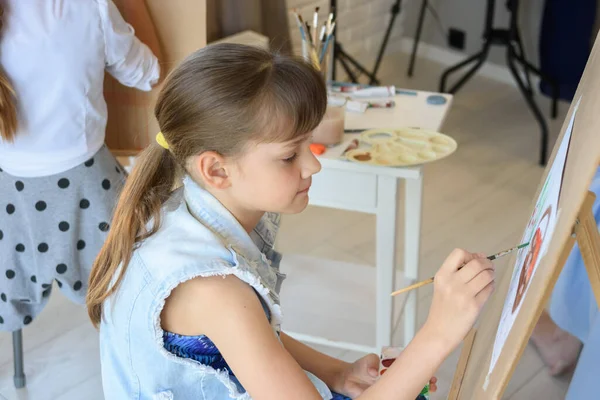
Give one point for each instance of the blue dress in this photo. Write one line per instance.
(573, 307)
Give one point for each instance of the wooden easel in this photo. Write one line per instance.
(585, 232)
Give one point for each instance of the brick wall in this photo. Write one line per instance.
(362, 25)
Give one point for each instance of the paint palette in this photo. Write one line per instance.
(402, 147)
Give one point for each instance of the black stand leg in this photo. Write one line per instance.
(342, 59)
(345, 59)
(554, 111)
(413, 55)
(511, 39)
(340, 55)
(19, 377)
(479, 57)
(547, 79)
(394, 11)
(528, 94)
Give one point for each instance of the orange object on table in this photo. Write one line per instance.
(317, 148)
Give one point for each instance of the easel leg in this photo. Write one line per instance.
(588, 240)
(461, 367)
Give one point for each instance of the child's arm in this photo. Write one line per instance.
(458, 298)
(228, 311)
(137, 14)
(326, 368)
(461, 287)
(127, 59)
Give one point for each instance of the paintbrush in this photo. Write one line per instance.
(308, 32)
(300, 24)
(327, 40)
(322, 34)
(316, 26)
(306, 51)
(430, 280)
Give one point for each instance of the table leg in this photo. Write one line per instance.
(387, 204)
(413, 192)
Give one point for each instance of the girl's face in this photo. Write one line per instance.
(274, 177)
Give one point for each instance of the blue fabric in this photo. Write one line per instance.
(565, 42)
(202, 349)
(197, 348)
(337, 396)
(573, 307)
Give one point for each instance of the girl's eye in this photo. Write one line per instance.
(290, 159)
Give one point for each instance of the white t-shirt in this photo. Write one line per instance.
(54, 52)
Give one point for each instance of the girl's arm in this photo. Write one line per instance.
(136, 13)
(228, 311)
(127, 58)
(461, 287)
(326, 368)
(411, 371)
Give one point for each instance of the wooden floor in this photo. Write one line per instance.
(477, 199)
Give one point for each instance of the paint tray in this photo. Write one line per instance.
(401, 147)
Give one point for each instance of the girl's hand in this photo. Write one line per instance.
(358, 376)
(461, 287)
(363, 373)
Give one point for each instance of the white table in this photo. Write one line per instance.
(370, 189)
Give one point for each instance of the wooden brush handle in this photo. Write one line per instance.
(413, 286)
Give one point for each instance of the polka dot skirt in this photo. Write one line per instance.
(51, 229)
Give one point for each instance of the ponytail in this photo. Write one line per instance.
(8, 108)
(147, 188)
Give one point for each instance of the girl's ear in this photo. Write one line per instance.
(211, 168)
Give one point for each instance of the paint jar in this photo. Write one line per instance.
(331, 129)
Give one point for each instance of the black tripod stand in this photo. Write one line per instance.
(511, 38)
(345, 59)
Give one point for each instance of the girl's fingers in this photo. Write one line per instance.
(455, 261)
(432, 385)
(480, 281)
(484, 294)
(472, 269)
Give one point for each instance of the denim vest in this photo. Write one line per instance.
(198, 237)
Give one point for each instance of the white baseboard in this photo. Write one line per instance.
(448, 57)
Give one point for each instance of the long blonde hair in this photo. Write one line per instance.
(218, 99)
(8, 107)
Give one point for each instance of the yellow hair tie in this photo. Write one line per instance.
(160, 139)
